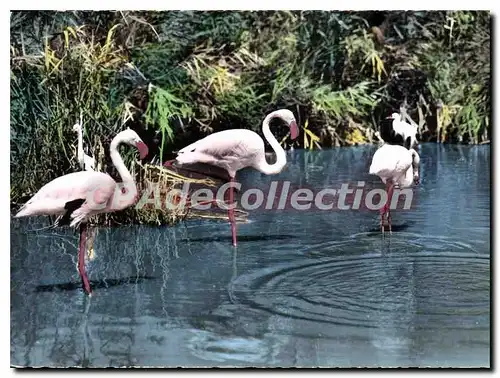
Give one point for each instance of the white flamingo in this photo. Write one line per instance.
(76, 197)
(86, 162)
(395, 165)
(236, 149)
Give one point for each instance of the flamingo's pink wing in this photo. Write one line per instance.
(235, 143)
(94, 187)
(390, 161)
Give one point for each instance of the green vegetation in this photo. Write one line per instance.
(177, 76)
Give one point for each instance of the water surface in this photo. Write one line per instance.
(316, 288)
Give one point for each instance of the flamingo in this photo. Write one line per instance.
(236, 149)
(86, 162)
(394, 130)
(395, 165)
(77, 196)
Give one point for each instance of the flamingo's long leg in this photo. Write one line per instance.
(382, 212)
(386, 208)
(92, 233)
(231, 213)
(389, 199)
(81, 259)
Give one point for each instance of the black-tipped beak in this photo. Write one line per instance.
(294, 130)
(169, 163)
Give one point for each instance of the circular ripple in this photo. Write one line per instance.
(435, 282)
(214, 347)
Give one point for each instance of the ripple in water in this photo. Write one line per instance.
(404, 284)
(213, 347)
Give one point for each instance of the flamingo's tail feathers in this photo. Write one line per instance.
(23, 211)
(374, 169)
(20, 213)
(371, 171)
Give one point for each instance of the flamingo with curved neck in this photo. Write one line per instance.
(76, 197)
(262, 164)
(236, 149)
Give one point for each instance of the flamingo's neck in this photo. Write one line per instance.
(408, 178)
(129, 195)
(262, 165)
(415, 164)
(412, 171)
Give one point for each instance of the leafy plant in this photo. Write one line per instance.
(162, 107)
(310, 139)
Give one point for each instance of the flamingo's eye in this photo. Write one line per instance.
(193, 150)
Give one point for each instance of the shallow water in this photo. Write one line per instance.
(315, 288)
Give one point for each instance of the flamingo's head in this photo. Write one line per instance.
(131, 138)
(287, 116)
(192, 154)
(394, 116)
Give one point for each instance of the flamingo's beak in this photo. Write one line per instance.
(143, 150)
(294, 130)
(169, 163)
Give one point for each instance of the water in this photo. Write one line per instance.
(317, 288)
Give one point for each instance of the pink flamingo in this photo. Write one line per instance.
(395, 165)
(76, 197)
(236, 149)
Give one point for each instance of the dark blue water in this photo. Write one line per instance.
(316, 288)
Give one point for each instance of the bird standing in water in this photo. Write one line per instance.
(395, 165)
(236, 149)
(76, 197)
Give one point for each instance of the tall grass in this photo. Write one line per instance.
(50, 92)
